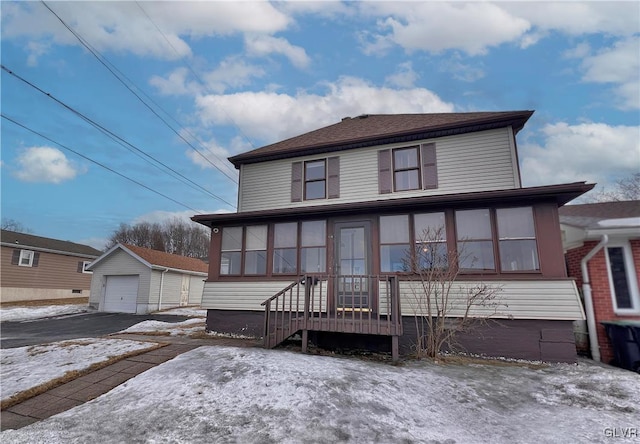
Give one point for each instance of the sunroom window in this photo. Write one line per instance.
(231, 256)
(313, 250)
(285, 248)
(431, 240)
(255, 255)
(394, 243)
(517, 239)
(475, 240)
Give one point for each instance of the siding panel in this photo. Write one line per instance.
(479, 161)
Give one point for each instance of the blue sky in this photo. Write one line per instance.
(227, 77)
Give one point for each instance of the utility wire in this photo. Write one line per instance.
(117, 138)
(195, 74)
(96, 162)
(112, 70)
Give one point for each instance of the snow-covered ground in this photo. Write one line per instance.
(29, 313)
(183, 328)
(27, 367)
(186, 311)
(238, 395)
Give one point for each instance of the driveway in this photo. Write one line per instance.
(62, 328)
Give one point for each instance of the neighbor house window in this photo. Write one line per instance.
(394, 243)
(285, 248)
(475, 240)
(431, 240)
(315, 179)
(313, 248)
(622, 279)
(231, 256)
(406, 169)
(517, 239)
(255, 255)
(26, 258)
(82, 267)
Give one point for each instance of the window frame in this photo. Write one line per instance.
(420, 243)
(274, 248)
(408, 253)
(24, 253)
(302, 246)
(492, 239)
(417, 168)
(632, 281)
(246, 250)
(306, 181)
(498, 239)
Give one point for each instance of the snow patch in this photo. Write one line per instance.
(28, 313)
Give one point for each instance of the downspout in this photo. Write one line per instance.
(588, 301)
(161, 285)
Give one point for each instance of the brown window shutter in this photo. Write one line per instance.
(296, 182)
(36, 259)
(80, 266)
(429, 166)
(385, 180)
(15, 258)
(334, 177)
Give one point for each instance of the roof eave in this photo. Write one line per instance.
(559, 194)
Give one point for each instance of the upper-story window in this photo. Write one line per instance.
(315, 179)
(407, 168)
(622, 279)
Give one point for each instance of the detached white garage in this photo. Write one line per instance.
(130, 279)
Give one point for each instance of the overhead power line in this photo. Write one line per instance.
(112, 69)
(139, 152)
(195, 74)
(97, 163)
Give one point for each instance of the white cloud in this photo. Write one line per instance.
(620, 65)
(594, 152)
(44, 164)
(439, 26)
(123, 26)
(405, 76)
(215, 155)
(232, 72)
(460, 70)
(270, 116)
(263, 45)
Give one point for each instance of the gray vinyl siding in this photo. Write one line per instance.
(548, 299)
(480, 161)
(171, 284)
(119, 263)
(195, 289)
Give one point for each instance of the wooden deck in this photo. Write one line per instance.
(343, 304)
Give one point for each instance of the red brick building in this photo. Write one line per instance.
(604, 239)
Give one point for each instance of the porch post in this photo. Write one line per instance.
(395, 355)
(305, 340)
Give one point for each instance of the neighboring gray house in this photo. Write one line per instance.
(36, 267)
(130, 279)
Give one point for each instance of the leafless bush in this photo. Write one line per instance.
(442, 306)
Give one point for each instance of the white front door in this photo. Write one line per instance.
(121, 294)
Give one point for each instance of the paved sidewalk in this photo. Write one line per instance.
(99, 382)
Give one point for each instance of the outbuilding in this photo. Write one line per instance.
(131, 279)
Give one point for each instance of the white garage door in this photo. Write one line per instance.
(121, 294)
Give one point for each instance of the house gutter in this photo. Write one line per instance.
(588, 301)
(161, 285)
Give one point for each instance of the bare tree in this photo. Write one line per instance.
(443, 307)
(173, 236)
(14, 225)
(627, 188)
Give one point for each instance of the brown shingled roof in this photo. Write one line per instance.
(163, 259)
(25, 240)
(372, 129)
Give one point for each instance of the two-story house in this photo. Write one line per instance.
(345, 206)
